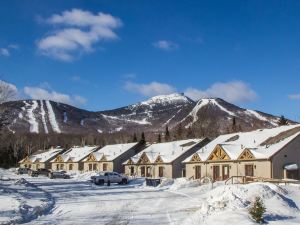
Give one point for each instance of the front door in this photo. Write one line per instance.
(225, 174)
(197, 172)
(131, 170)
(216, 173)
(249, 171)
(161, 171)
(142, 171)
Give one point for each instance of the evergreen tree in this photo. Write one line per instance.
(179, 132)
(257, 210)
(167, 134)
(282, 121)
(234, 125)
(159, 138)
(134, 137)
(143, 139)
(190, 133)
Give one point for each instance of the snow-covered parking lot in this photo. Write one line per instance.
(77, 201)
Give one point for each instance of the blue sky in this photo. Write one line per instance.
(105, 54)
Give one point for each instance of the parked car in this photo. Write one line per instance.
(43, 171)
(109, 177)
(33, 173)
(59, 174)
(23, 171)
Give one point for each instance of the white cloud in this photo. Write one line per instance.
(6, 51)
(235, 92)
(78, 33)
(165, 45)
(294, 96)
(43, 94)
(151, 89)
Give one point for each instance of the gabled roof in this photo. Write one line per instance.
(166, 152)
(205, 151)
(111, 152)
(43, 156)
(235, 144)
(76, 154)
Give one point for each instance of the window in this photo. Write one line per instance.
(104, 167)
(161, 171)
(37, 166)
(61, 166)
(71, 167)
(148, 171)
(90, 167)
(225, 174)
(131, 170)
(57, 166)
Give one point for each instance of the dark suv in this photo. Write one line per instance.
(44, 172)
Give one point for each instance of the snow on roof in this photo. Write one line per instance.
(291, 167)
(77, 153)
(205, 151)
(263, 152)
(253, 139)
(234, 144)
(168, 151)
(111, 152)
(44, 155)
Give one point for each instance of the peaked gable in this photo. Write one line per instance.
(143, 159)
(91, 158)
(246, 155)
(195, 158)
(58, 159)
(103, 158)
(218, 154)
(159, 159)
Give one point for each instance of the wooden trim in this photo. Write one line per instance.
(218, 154)
(246, 155)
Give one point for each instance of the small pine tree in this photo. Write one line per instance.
(282, 121)
(159, 138)
(233, 124)
(257, 210)
(143, 139)
(167, 134)
(179, 132)
(134, 137)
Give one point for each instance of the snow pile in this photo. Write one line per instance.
(231, 203)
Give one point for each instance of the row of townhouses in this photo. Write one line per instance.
(267, 153)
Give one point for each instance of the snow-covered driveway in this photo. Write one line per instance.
(80, 202)
(77, 201)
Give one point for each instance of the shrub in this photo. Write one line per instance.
(257, 210)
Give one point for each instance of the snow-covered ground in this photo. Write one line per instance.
(77, 201)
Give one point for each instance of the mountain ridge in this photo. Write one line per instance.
(152, 115)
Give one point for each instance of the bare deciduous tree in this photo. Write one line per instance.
(7, 91)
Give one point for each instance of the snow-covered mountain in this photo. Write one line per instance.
(43, 116)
